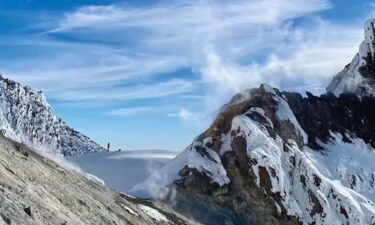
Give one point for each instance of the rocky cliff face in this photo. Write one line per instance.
(274, 157)
(25, 116)
(358, 77)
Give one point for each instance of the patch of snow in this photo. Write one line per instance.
(94, 178)
(285, 113)
(190, 157)
(129, 210)
(211, 166)
(268, 89)
(258, 110)
(153, 213)
(128, 196)
(226, 143)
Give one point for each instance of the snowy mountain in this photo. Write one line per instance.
(358, 77)
(274, 157)
(25, 116)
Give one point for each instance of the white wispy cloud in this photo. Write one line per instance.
(230, 45)
(155, 90)
(183, 114)
(310, 54)
(136, 111)
(202, 16)
(174, 111)
(60, 68)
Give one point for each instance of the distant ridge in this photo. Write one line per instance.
(25, 116)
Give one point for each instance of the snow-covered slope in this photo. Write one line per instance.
(25, 116)
(358, 77)
(278, 158)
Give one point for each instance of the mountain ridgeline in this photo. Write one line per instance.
(26, 117)
(273, 157)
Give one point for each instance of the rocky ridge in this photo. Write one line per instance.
(358, 77)
(26, 117)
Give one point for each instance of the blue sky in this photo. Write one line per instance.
(152, 74)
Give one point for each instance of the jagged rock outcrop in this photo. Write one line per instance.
(25, 116)
(349, 115)
(35, 190)
(274, 157)
(358, 77)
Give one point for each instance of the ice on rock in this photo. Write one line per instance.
(25, 116)
(338, 203)
(357, 77)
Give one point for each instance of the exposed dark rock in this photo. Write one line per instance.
(317, 181)
(343, 212)
(28, 211)
(347, 114)
(303, 180)
(197, 182)
(317, 207)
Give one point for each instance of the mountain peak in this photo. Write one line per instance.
(358, 77)
(370, 31)
(26, 116)
(367, 48)
(272, 157)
